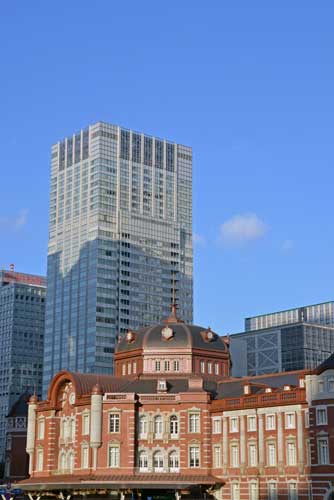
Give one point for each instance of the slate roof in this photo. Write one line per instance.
(328, 364)
(185, 336)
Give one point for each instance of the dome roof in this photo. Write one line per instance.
(171, 335)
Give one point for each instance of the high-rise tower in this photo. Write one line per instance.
(120, 240)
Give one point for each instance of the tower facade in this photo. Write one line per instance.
(22, 310)
(120, 242)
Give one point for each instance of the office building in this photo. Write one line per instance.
(177, 426)
(120, 242)
(22, 310)
(295, 339)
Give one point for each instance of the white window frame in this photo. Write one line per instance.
(85, 456)
(322, 410)
(196, 458)
(143, 426)
(158, 424)
(216, 425)
(271, 422)
(251, 427)
(235, 455)
(114, 423)
(174, 426)
(234, 424)
(323, 460)
(159, 457)
(41, 428)
(272, 492)
(202, 366)
(253, 490)
(114, 458)
(307, 419)
(252, 455)
(85, 424)
(235, 491)
(291, 453)
(217, 457)
(39, 459)
(143, 461)
(194, 423)
(271, 457)
(174, 461)
(216, 368)
(292, 490)
(290, 420)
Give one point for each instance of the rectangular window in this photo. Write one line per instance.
(235, 491)
(217, 428)
(194, 422)
(252, 452)
(234, 421)
(167, 366)
(270, 422)
(176, 365)
(157, 366)
(291, 454)
(253, 491)
(202, 367)
(251, 423)
(217, 456)
(271, 454)
(292, 491)
(272, 491)
(41, 427)
(194, 456)
(216, 369)
(290, 420)
(307, 418)
(321, 416)
(85, 424)
(209, 367)
(134, 367)
(114, 422)
(39, 464)
(114, 456)
(235, 455)
(323, 455)
(84, 457)
(330, 385)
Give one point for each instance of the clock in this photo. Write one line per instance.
(167, 333)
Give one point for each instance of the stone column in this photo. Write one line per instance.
(96, 422)
(225, 445)
(300, 440)
(31, 430)
(280, 442)
(261, 441)
(242, 442)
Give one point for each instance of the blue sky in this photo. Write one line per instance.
(249, 85)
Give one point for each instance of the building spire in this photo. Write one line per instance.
(172, 318)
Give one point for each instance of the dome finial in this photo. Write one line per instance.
(172, 318)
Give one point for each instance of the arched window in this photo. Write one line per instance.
(174, 461)
(143, 427)
(158, 461)
(72, 431)
(143, 461)
(158, 426)
(70, 461)
(174, 426)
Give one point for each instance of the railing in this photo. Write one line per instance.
(157, 397)
(296, 395)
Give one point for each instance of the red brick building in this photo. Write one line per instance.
(172, 423)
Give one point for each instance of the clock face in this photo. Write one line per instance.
(209, 335)
(167, 333)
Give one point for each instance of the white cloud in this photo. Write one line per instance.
(198, 239)
(242, 228)
(15, 222)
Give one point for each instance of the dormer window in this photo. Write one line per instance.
(286, 388)
(130, 337)
(246, 389)
(268, 389)
(162, 386)
(302, 382)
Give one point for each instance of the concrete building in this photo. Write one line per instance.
(120, 242)
(22, 310)
(173, 424)
(296, 339)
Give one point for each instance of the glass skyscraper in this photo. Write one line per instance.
(120, 242)
(295, 339)
(22, 311)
